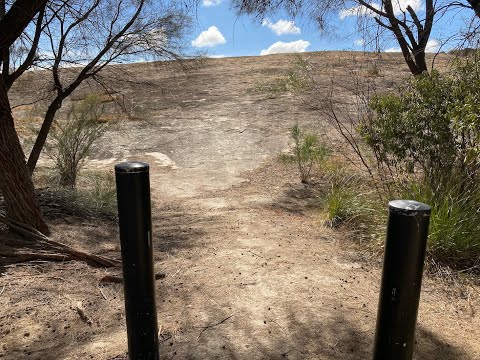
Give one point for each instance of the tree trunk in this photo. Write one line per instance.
(43, 133)
(407, 55)
(15, 21)
(420, 60)
(475, 6)
(414, 69)
(15, 180)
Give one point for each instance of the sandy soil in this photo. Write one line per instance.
(251, 272)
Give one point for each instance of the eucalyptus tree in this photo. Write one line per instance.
(15, 183)
(84, 36)
(73, 41)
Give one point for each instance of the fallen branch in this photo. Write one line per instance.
(68, 253)
(103, 294)
(261, 257)
(27, 256)
(204, 328)
(81, 312)
(112, 279)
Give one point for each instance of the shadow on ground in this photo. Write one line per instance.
(302, 336)
(174, 228)
(177, 227)
(297, 197)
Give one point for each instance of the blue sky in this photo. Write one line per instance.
(220, 32)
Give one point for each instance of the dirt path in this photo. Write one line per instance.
(251, 272)
(263, 279)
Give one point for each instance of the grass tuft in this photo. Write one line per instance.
(95, 197)
(454, 233)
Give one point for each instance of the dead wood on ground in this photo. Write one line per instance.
(57, 251)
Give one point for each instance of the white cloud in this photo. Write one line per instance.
(283, 47)
(208, 3)
(393, 49)
(358, 10)
(360, 42)
(209, 38)
(433, 46)
(282, 27)
(216, 56)
(399, 6)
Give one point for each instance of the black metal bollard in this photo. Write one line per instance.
(407, 232)
(134, 215)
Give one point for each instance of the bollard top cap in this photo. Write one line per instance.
(409, 207)
(131, 167)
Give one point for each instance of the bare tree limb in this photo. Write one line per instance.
(15, 21)
(34, 234)
(27, 63)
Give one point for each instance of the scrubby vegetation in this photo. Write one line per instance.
(72, 138)
(428, 137)
(65, 189)
(94, 196)
(420, 142)
(308, 152)
(296, 79)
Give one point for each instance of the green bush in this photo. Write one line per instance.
(341, 205)
(347, 200)
(431, 125)
(428, 137)
(308, 152)
(294, 80)
(72, 138)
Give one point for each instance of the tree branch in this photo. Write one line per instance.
(409, 34)
(15, 21)
(371, 8)
(61, 44)
(27, 63)
(72, 254)
(404, 46)
(429, 17)
(475, 6)
(415, 20)
(86, 71)
(382, 24)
